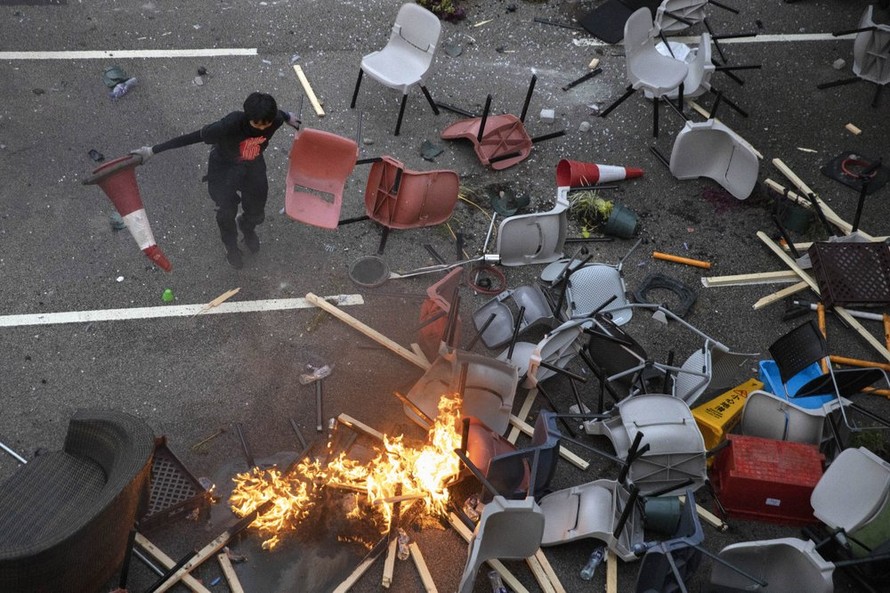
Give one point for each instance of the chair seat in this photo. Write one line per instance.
(395, 67)
(657, 73)
(710, 149)
(591, 286)
(787, 564)
(503, 135)
(852, 491)
(399, 198)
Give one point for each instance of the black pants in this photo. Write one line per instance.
(231, 184)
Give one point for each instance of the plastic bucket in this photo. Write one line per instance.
(622, 223)
(662, 514)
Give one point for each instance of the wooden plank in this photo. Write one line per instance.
(219, 300)
(708, 517)
(429, 586)
(166, 562)
(780, 294)
(416, 349)
(539, 574)
(548, 570)
(360, 426)
(229, 573)
(390, 564)
(307, 88)
(523, 413)
(611, 572)
(368, 331)
(777, 277)
(509, 579)
(565, 453)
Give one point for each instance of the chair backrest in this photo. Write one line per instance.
(638, 34)
(786, 564)
(701, 68)
(798, 349)
(871, 50)
(417, 26)
(614, 351)
(710, 149)
(508, 529)
(534, 238)
(655, 572)
(319, 162)
(509, 472)
(691, 11)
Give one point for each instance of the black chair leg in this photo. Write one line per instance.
(401, 114)
(429, 99)
(877, 98)
(655, 102)
(630, 90)
(358, 83)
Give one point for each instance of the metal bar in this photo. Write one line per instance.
(457, 110)
(562, 419)
(584, 78)
(368, 161)
(625, 512)
(14, 455)
(293, 424)
(563, 372)
(724, 6)
(414, 408)
(483, 119)
(319, 414)
(528, 97)
(555, 24)
(477, 472)
(128, 556)
(245, 448)
(173, 570)
(515, 336)
(549, 136)
(661, 158)
(434, 254)
(481, 331)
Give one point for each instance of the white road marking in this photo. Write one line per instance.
(761, 38)
(127, 53)
(170, 311)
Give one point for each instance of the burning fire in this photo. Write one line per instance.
(397, 472)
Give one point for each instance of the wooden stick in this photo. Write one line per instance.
(682, 260)
(416, 349)
(707, 516)
(354, 424)
(368, 331)
(611, 572)
(820, 320)
(429, 586)
(509, 580)
(523, 413)
(778, 277)
(539, 574)
(390, 564)
(166, 562)
(886, 319)
(218, 300)
(565, 453)
(780, 294)
(830, 214)
(307, 88)
(856, 362)
(229, 573)
(548, 570)
(792, 177)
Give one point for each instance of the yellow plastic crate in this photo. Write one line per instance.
(719, 416)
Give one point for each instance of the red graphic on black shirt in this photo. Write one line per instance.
(250, 147)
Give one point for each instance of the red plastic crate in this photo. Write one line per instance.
(767, 480)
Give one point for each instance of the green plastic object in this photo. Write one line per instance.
(167, 297)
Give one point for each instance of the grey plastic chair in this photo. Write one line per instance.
(676, 448)
(507, 529)
(489, 387)
(528, 298)
(593, 510)
(854, 495)
(406, 58)
(710, 368)
(701, 67)
(691, 11)
(787, 565)
(770, 416)
(710, 149)
(534, 238)
(647, 69)
(871, 50)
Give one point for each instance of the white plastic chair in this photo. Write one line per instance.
(701, 67)
(406, 58)
(691, 11)
(787, 565)
(534, 238)
(871, 50)
(710, 149)
(647, 68)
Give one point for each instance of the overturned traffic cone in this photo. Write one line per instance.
(117, 178)
(576, 174)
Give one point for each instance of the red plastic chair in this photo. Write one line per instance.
(504, 141)
(399, 198)
(318, 167)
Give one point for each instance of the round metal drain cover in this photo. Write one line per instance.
(369, 271)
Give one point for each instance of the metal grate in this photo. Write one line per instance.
(852, 273)
(173, 489)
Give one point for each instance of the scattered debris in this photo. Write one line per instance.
(548, 116)
(96, 156)
(853, 129)
(452, 49)
(839, 64)
(430, 151)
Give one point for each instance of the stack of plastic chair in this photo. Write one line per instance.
(318, 167)
(496, 322)
(406, 58)
(537, 238)
(555, 351)
(786, 565)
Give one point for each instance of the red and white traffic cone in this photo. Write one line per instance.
(117, 178)
(576, 174)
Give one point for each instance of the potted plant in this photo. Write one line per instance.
(592, 211)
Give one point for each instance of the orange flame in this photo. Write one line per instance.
(398, 472)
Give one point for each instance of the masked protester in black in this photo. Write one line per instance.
(236, 169)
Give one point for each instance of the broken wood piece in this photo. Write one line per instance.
(548, 570)
(523, 413)
(780, 294)
(166, 562)
(429, 586)
(229, 573)
(856, 362)
(820, 321)
(707, 516)
(368, 331)
(219, 300)
(853, 129)
(390, 564)
(611, 572)
(792, 177)
(593, 64)
(354, 424)
(681, 260)
(564, 453)
(416, 349)
(509, 579)
(886, 320)
(777, 277)
(539, 574)
(307, 88)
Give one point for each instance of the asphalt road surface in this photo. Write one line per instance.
(189, 376)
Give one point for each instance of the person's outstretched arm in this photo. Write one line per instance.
(146, 152)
